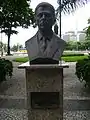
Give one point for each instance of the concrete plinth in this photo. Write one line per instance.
(47, 79)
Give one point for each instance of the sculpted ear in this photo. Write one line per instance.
(35, 22)
(35, 19)
(54, 20)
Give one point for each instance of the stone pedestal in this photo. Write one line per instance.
(44, 86)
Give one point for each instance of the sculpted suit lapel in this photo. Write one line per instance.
(32, 47)
(55, 48)
(52, 47)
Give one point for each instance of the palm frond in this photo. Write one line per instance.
(68, 6)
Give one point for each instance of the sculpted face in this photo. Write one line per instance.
(44, 18)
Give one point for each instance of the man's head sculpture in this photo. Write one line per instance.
(45, 16)
(45, 47)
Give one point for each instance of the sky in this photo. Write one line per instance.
(70, 22)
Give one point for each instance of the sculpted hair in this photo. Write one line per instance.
(46, 5)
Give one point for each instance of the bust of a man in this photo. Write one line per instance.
(45, 47)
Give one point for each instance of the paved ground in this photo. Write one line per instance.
(13, 97)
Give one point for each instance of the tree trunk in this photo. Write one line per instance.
(8, 47)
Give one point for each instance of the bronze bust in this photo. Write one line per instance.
(45, 47)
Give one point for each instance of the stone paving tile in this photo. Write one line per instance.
(69, 105)
(13, 103)
(13, 114)
(14, 86)
(76, 115)
(75, 105)
(72, 86)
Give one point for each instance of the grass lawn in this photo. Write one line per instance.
(22, 59)
(74, 58)
(66, 59)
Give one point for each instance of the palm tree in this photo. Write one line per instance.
(68, 6)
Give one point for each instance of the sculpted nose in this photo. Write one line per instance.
(43, 16)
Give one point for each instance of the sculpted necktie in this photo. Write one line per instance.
(43, 44)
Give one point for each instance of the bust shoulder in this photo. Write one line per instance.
(31, 39)
(58, 39)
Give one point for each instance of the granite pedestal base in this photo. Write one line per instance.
(44, 86)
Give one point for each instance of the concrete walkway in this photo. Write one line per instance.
(13, 96)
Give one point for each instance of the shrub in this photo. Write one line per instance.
(6, 69)
(83, 71)
(73, 54)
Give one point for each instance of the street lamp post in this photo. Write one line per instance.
(60, 17)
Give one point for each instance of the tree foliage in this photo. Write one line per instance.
(83, 71)
(87, 30)
(13, 14)
(83, 45)
(6, 69)
(69, 5)
(16, 47)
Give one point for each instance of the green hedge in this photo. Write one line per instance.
(73, 54)
(74, 58)
(6, 69)
(83, 71)
(66, 59)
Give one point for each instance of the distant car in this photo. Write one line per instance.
(22, 50)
